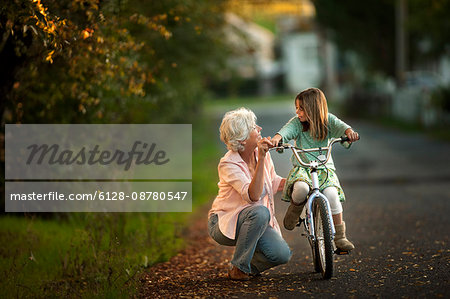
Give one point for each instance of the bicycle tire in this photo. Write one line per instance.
(313, 244)
(323, 245)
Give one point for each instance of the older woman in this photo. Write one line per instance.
(243, 213)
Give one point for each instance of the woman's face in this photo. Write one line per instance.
(254, 136)
(299, 111)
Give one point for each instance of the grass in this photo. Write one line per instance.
(93, 255)
(220, 105)
(269, 99)
(99, 254)
(206, 155)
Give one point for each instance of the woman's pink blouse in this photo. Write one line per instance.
(234, 180)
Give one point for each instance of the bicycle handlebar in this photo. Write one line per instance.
(312, 164)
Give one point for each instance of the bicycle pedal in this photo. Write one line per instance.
(341, 252)
(300, 221)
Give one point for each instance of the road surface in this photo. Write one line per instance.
(397, 215)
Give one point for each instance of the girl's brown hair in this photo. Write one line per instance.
(315, 106)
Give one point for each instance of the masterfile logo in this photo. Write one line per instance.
(52, 154)
(98, 168)
(98, 152)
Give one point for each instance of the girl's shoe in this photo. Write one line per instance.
(292, 215)
(236, 274)
(340, 240)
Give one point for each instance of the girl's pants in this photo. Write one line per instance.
(258, 246)
(301, 190)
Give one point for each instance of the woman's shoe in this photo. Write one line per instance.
(236, 274)
(292, 215)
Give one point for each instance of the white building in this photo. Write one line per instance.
(300, 60)
(252, 45)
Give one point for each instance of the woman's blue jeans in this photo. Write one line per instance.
(258, 246)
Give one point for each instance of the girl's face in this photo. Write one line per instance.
(301, 114)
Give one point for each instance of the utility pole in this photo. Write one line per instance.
(401, 51)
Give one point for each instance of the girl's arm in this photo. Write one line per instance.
(337, 127)
(288, 132)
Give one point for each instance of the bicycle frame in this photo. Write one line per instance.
(309, 224)
(313, 166)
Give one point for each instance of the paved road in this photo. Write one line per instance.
(398, 202)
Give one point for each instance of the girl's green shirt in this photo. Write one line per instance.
(293, 130)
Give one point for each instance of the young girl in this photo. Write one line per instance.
(313, 127)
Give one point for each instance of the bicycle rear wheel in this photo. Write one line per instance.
(323, 245)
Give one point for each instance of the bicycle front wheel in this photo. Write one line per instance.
(323, 245)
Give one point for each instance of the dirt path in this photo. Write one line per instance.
(200, 271)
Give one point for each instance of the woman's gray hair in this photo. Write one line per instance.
(236, 127)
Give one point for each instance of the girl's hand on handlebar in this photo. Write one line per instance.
(352, 135)
(276, 140)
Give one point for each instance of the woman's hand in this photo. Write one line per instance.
(263, 146)
(281, 186)
(352, 135)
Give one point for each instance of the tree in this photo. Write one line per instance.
(368, 28)
(429, 29)
(112, 61)
(106, 61)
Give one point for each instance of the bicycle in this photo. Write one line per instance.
(318, 222)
